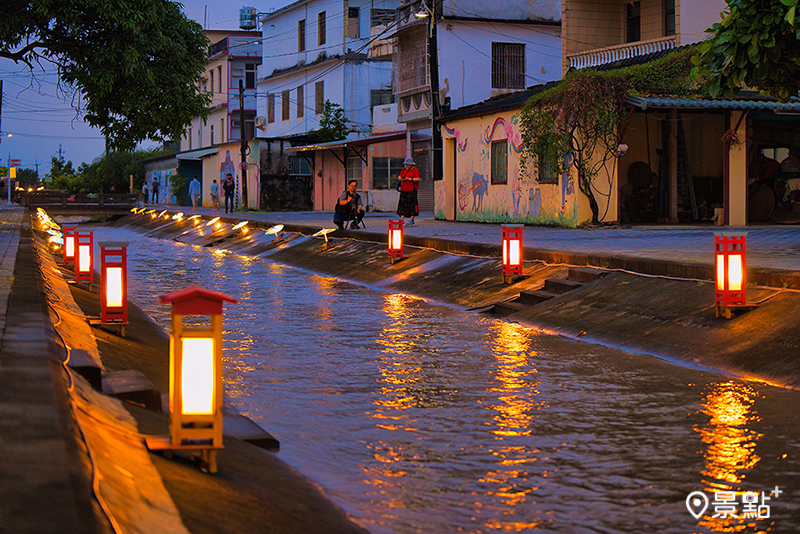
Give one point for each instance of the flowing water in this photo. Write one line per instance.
(421, 418)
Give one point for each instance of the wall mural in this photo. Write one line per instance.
(522, 199)
(462, 145)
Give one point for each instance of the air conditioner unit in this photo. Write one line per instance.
(261, 123)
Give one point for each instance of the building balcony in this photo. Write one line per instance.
(414, 104)
(600, 56)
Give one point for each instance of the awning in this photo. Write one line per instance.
(347, 143)
(198, 154)
(755, 103)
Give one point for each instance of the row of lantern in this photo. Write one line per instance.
(196, 388)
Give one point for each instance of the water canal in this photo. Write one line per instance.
(417, 417)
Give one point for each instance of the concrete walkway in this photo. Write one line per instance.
(769, 247)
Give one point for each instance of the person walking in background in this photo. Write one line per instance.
(144, 192)
(154, 189)
(229, 187)
(214, 195)
(194, 192)
(409, 185)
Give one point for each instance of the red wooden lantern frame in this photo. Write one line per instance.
(730, 266)
(395, 240)
(512, 251)
(84, 265)
(68, 256)
(114, 283)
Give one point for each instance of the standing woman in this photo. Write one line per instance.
(409, 185)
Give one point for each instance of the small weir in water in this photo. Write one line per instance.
(421, 418)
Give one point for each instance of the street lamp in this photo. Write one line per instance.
(730, 260)
(512, 251)
(195, 375)
(395, 240)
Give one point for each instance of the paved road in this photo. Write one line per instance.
(769, 247)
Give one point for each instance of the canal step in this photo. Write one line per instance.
(553, 287)
(560, 286)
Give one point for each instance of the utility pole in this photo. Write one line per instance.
(60, 154)
(244, 147)
(436, 110)
(1, 111)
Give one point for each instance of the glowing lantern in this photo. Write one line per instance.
(324, 233)
(114, 284)
(395, 240)
(195, 374)
(512, 251)
(69, 245)
(730, 251)
(84, 271)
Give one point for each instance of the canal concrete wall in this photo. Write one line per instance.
(658, 315)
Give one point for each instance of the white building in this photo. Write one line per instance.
(317, 50)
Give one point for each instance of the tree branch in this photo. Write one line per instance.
(20, 54)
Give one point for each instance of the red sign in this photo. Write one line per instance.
(14, 162)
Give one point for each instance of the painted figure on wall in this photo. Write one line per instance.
(479, 188)
(535, 202)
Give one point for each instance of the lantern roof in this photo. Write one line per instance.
(196, 301)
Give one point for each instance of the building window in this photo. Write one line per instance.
(250, 76)
(222, 130)
(321, 28)
(500, 162)
(301, 102)
(212, 134)
(299, 166)
(249, 125)
(669, 17)
(508, 66)
(211, 75)
(634, 17)
(219, 78)
(385, 172)
(319, 96)
(381, 17)
(352, 22)
(285, 106)
(379, 97)
(301, 35)
(548, 172)
(354, 170)
(270, 108)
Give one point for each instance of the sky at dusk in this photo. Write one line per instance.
(40, 117)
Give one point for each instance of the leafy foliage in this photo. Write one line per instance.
(582, 116)
(757, 44)
(332, 124)
(136, 63)
(180, 188)
(62, 176)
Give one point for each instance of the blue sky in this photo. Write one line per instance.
(40, 117)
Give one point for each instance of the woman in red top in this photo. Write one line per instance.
(409, 185)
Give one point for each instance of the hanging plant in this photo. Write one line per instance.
(583, 116)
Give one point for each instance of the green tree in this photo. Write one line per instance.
(579, 121)
(114, 169)
(332, 124)
(27, 177)
(136, 64)
(757, 44)
(180, 188)
(62, 176)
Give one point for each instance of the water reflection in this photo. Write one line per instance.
(419, 418)
(731, 445)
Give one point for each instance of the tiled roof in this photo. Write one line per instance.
(497, 103)
(744, 102)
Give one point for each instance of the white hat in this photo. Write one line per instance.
(408, 161)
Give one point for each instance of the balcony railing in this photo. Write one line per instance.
(601, 56)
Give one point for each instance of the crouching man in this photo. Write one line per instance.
(349, 208)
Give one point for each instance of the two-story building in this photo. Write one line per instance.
(210, 147)
(454, 54)
(317, 51)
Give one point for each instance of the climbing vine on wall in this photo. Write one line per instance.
(583, 115)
